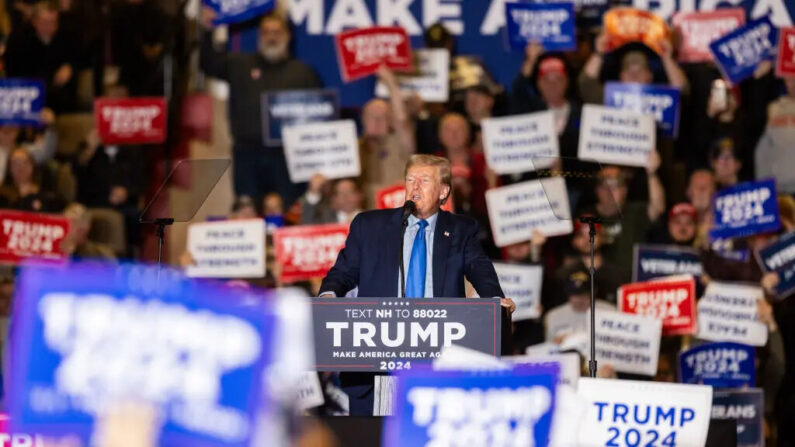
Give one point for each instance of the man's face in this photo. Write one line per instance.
(553, 87)
(579, 302)
(347, 197)
(424, 187)
(612, 190)
(636, 73)
(454, 133)
(375, 118)
(682, 228)
(478, 104)
(700, 190)
(725, 166)
(21, 167)
(46, 24)
(273, 40)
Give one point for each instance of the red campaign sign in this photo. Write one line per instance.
(31, 235)
(197, 116)
(308, 251)
(395, 196)
(624, 25)
(673, 300)
(360, 52)
(131, 120)
(785, 63)
(9, 439)
(699, 29)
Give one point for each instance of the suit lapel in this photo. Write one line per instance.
(392, 254)
(441, 248)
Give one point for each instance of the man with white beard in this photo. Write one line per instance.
(259, 170)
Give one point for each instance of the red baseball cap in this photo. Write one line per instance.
(552, 65)
(683, 208)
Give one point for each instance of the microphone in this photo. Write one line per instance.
(408, 209)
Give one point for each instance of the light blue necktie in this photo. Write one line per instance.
(415, 283)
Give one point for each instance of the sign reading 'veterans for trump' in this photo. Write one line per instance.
(131, 120)
(779, 257)
(308, 251)
(656, 261)
(392, 334)
(31, 235)
(89, 336)
(360, 52)
(673, 300)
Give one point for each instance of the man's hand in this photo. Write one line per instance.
(769, 282)
(63, 75)
(666, 47)
(509, 304)
(653, 163)
(386, 75)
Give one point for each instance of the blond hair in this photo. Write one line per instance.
(443, 164)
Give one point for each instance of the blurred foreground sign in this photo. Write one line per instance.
(92, 336)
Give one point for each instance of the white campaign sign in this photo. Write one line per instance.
(309, 393)
(520, 143)
(728, 312)
(227, 249)
(329, 148)
(614, 136)
(432, 81)
(632, 413)
(630, 343)
(523, 284)
(516, 210)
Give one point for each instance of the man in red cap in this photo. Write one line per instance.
(682, 224)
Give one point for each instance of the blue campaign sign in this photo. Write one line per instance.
(657, 261)
(290, 107)
(658, 100)
(745, 209)
(550, 24)
(514, 407)
(721, 365)
(739, 52)
(234, 11)
(21, 101)
(747, 408)
(90, 335)
(779, 257)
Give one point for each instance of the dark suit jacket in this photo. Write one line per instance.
(371, 257)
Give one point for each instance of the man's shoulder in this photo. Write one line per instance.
(459, 220)
(372, 217)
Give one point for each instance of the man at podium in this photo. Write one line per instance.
(438, 250)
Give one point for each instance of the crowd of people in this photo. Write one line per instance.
(116, 48)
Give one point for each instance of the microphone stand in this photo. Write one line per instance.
(402, 268)
(592, 221)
